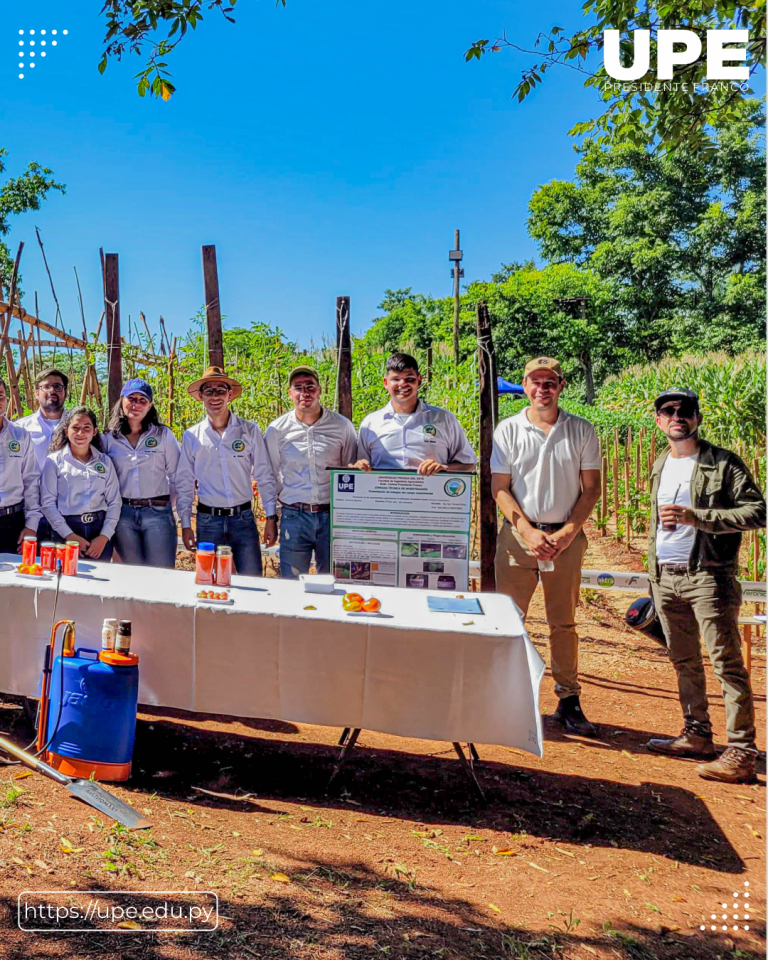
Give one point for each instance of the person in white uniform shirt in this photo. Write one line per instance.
(20, 511)
(302, 444)
(409, 433)
(51, 394)
(145, 455)
(80, 491)
(546, 481)
(220, 456)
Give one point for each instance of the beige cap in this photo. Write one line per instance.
(306, 370)
(543, 363)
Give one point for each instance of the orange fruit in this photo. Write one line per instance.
(372, 606)
(23, 568)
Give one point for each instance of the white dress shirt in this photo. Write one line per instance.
(545, 468)
(147, 470)
(400, 442)
(300, 453)
(19, 472)
(41, 431)
(222, 466)
(71, 488)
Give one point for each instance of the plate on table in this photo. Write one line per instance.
(45, 575)
(228, 602)
(364, 613)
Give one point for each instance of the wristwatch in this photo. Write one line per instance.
(272, 516)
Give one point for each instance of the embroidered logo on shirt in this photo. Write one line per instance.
(99, 467)
(429, 429)
(455, 487)
(14, 446)
(150, 442)
(238, 446)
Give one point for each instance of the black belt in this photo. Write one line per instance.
(14, 508)
(548, 527)
(224, 511)
(678, 568)
(93, 517)
(307, 507)
(149, 502)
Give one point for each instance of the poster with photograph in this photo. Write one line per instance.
(401, 529)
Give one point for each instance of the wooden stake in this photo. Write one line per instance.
(627, 501)
(488, 514)
(604, 495)
(344, 358)
(639, 460)
(14, 406)
(212, 307)
(616, 443)
(112, 309)
(628, 445)
(171, 381)
(616, 495)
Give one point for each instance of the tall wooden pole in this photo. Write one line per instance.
(486, 369)
(212, 307)
(456, 301)
(112, 309)
(344, 353)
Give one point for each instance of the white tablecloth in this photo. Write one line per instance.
(409, 672)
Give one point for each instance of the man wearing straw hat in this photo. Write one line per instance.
(220, 456)
(702, 498)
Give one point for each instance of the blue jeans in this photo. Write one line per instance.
(146, 536)
(238, 532)
(90, 531)
(302, 532)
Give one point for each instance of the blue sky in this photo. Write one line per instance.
(327, 148)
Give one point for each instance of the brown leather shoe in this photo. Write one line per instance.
(734, 765)
(688, 744)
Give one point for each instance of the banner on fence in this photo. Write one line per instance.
(751, 591)
(399, 529)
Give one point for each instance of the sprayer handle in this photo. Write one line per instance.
(32, 762)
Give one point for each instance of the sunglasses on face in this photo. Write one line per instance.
(215, 392)
(684, 411)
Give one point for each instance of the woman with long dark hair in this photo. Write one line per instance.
(80, 492)
(145, 454)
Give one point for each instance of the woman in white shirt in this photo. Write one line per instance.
(144, 454)
(80, 492)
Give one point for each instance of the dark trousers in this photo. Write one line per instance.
(46, 534)
(90, 531)
(10, 528)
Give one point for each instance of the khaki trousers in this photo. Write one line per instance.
(517, 574)
(707, 604)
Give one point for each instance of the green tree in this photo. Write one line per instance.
(19, 195)
(670, 115)
(681, 237)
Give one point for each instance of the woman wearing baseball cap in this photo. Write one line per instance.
(145, 455)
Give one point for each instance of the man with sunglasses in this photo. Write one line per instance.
(220, 456)
(51, 395)
(545, 469)
(302, 444)
(702, 498)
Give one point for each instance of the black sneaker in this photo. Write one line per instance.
(570, 714)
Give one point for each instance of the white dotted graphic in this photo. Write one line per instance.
(745, 906)
(31, 53)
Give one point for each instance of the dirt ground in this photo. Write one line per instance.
(599, 849)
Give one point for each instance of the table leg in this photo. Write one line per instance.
(347, 745)
(748, 647)
(469, 766)
(473, 751)
(343, 737)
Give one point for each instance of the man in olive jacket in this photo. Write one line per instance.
(702, 498)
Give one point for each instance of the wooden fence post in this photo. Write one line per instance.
(616, 495)
(627, 501)
(115, 347)
(488, 517)
(604, 496)
(344, 354)
(171, 382)
(212, 307)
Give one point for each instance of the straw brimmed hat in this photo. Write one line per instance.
(214, 374)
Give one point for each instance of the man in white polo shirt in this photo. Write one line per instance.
(302, 444)
(409, 433)
(546, 481)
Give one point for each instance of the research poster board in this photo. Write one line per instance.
(395, 528)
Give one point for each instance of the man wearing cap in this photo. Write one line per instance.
(702, 498)
(302, 445)
(409, 433)
(220, 456)
(51, 395)
(546, 481)
(20, 510)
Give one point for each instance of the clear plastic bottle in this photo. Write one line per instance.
(204, 561)
(223, 566)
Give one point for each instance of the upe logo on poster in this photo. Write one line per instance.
(667, 57)
(346, 483)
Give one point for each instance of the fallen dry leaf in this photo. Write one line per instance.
(506, 853)
(492, 906)
(257, 853)
(129, 925)
(626, 753)
(22, 774)
(281, 878)
(537, 867)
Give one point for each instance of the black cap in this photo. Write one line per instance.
(676, 394)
